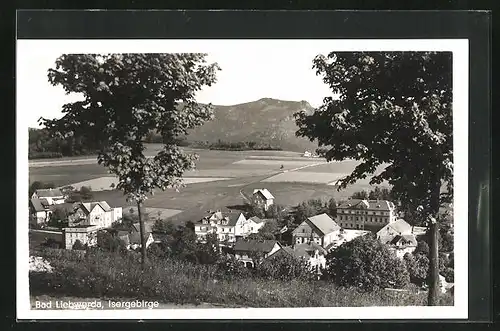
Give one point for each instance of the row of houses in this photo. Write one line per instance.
(84, 218)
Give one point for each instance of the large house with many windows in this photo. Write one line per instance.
(227, 226)
(369, 215)
(97, 213)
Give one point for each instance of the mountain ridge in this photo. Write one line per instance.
(264, 121)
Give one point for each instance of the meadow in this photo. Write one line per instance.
(217, 180)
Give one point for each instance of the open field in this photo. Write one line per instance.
(303, 179)
(107, 183)
(306, 177)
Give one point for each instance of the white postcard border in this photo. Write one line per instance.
(459, 47)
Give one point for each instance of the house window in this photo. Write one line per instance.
(303, 230)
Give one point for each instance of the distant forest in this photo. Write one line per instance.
(218, 145)
(42, 146)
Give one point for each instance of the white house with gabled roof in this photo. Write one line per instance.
(262, 198)
(319, 229)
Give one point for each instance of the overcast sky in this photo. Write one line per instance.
(250, 71)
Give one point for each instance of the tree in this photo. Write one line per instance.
(125, 97)
(418, 267)
(86, 192)
(78, 245)
(366, 263)
(422, 248)
(284, 267)
(209, 251)
(163, 226)
(58, 217)
(110, 243)
(393, 111)
(360, 195)
(332, 208)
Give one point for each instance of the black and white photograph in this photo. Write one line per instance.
(193, 179)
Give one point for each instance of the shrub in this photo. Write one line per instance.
(284, 267)
(78, 245)
(366, 263)
(418, 267)
(449, 274)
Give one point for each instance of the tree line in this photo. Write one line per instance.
(43, 145)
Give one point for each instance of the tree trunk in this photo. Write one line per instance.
(143, 235)
(432, 298)
(433, 266)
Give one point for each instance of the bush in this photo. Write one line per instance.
(285, 268)
(78, 245)
(418, 267)
(366, 263)
(449, 275)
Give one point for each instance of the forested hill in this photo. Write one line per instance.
(265, 121)
(262, 124)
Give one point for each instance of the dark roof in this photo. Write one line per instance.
(406, 237)
(89, 206)
(252, 245)
(324, 223)
(135, 237)
(37, 205)
(257, 219)
(232, 218)
(67, 206)
(367, 204)
(264, 192)
(136, 227)
(308, 249)
(50, 193)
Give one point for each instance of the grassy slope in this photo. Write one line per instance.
(107, 275)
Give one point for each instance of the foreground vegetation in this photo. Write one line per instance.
(103, 274)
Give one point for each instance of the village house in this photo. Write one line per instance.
(53, 196)
(86, 234)
(365, 214)
(391, 230)
(134, 240)
(312, 253)
(251, 251)
(262, 198)
(402, 244)
(320, 229)
(39, 211)
(228, 226)
(400, 236)
(345, 235)
(255, 223)
(98, 213)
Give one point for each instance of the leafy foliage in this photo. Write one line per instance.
(284, 267)
(110, 243)
(393, 108)
(125, 97)
(78, 245)
(42, 145)
(366, 263)
(418, 267)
